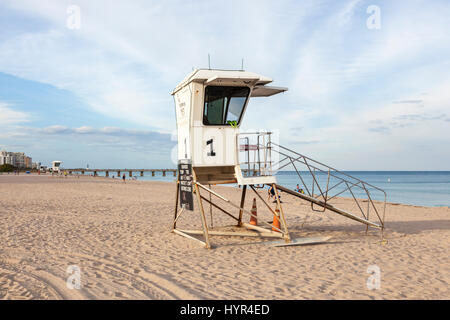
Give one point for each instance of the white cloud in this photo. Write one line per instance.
(107, 146)
(342, 53)
(125, 67)
(9, 116)
(58, 131)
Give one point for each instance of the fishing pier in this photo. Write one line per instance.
(120, 171)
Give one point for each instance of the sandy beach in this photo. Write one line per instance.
(118, 234)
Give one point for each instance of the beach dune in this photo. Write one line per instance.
(117, 236)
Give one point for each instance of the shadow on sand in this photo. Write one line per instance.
(407, 227)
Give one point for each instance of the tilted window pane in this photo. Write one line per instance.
(235, 108)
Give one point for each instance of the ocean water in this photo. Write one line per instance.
(421, 188)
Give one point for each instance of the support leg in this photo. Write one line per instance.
(176, 206)
(210, 209)
(244, 190)
(283, 220)
(202, 214)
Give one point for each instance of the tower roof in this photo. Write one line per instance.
(215, 75)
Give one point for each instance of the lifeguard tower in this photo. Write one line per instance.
(56, 166)
(210, 107)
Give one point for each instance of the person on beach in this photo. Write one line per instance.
(271, 194)
(123, 177)
(299, 190)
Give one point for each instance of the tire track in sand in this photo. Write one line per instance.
(27, 282)
(149, 285)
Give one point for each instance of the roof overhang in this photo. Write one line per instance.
(223, 80)
(266, 91)
(211, 76)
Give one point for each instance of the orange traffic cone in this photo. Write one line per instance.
(253, 219)
(276, 220)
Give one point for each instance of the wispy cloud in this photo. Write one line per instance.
(127, 70)
(408, 101)
(9, 116)
(106, 131)
(132, 136)
(103, 146)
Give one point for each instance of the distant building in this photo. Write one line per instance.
(36, 165)
(28, 162)
(16, 159)
(19, 159)
(7, 158)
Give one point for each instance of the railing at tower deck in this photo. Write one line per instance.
(319, 184)
(256, 149)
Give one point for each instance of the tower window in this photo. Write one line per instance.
(224, 105)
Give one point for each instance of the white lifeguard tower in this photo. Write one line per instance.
(56, 166)
(210, 107)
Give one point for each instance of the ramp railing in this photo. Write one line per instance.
(318, 183)
(321, 184)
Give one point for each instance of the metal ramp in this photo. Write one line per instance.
(328, 206)
(320, 184)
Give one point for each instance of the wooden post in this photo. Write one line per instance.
(217, 207)
(244, 190)
(175, 173)
(176, 206)
(107, 173)
(210, 209)
(153, 173)
(82, 172)
(202, 211)
(130, 173)
(118, 173)
(283, 220)
(236, 206)
(368, 209)
(142, 173)
(164, 173)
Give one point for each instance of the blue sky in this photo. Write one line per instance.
(358, 99)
